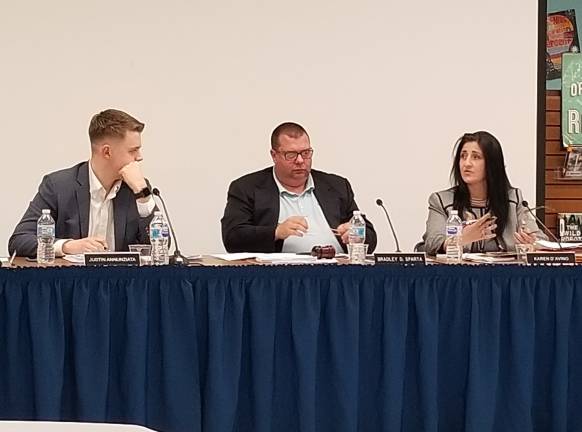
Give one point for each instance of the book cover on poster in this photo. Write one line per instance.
(562, 36)
(573, 163)
(570, 227)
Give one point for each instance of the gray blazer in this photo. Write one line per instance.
(441, 203)
(66, 194)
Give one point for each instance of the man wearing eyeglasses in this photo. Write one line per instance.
(289, 207)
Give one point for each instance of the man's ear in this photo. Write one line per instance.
(105, 150)
(101, 149)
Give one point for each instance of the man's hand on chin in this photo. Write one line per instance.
(133, 177)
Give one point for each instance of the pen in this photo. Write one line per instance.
(12, 259)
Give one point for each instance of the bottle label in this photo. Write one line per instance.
(453, 230)
(166, 231)
(358, 231)
(45, 231)
(155, 233)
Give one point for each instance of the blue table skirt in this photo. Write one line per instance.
(310, 348)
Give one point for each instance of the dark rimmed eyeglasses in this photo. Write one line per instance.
(292, 155)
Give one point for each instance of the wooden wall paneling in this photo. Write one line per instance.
(562, 196)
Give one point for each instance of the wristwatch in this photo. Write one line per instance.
(145, 192)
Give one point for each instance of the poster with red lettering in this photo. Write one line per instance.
(562, 37)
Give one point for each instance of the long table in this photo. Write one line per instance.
(295, 348)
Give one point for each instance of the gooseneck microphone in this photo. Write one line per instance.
(541, 207)
(177, 259)
(381, 204)
(538, 220)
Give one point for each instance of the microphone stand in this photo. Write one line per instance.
(177, 259)
(539, 221)
(381, 204)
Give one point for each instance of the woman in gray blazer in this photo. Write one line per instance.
(491, 209)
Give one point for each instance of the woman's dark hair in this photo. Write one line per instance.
(498, 184)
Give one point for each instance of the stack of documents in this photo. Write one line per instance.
(275, 258)
(75, 259)
(491, 257)
(549, 245)
(291, 258)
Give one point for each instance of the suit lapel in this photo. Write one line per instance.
(267, 201)
(327, 201)
(83, 199)
(120, 209)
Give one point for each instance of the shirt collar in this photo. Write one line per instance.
(308, 187)
(97, 189)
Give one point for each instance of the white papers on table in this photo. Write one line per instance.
(545, 244)
(490, 258)
(287, 257)
(275, 258)
(290, 258)
(75, 259)
(235, 256)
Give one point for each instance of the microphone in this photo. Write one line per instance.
(542, 207)
(177, 259)
(381, 204)
(538, 220)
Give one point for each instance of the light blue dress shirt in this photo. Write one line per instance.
(305, 204)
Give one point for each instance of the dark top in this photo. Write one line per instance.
(66, 194)
(252, 210)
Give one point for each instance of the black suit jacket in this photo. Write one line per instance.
(252, 210)
(66, 194)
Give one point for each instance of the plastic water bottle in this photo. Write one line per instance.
(166, 237)
(45, 236)
(454, 229)
(357, 228)
(356, 238)
(158, 240)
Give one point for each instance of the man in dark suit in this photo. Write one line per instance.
(101, 204)
(289, 207)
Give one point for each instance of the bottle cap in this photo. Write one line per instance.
(46, 211)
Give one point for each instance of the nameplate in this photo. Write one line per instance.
(551, 258)
(399, 258)
(112, 259)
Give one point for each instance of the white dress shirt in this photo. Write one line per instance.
(101, 219)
